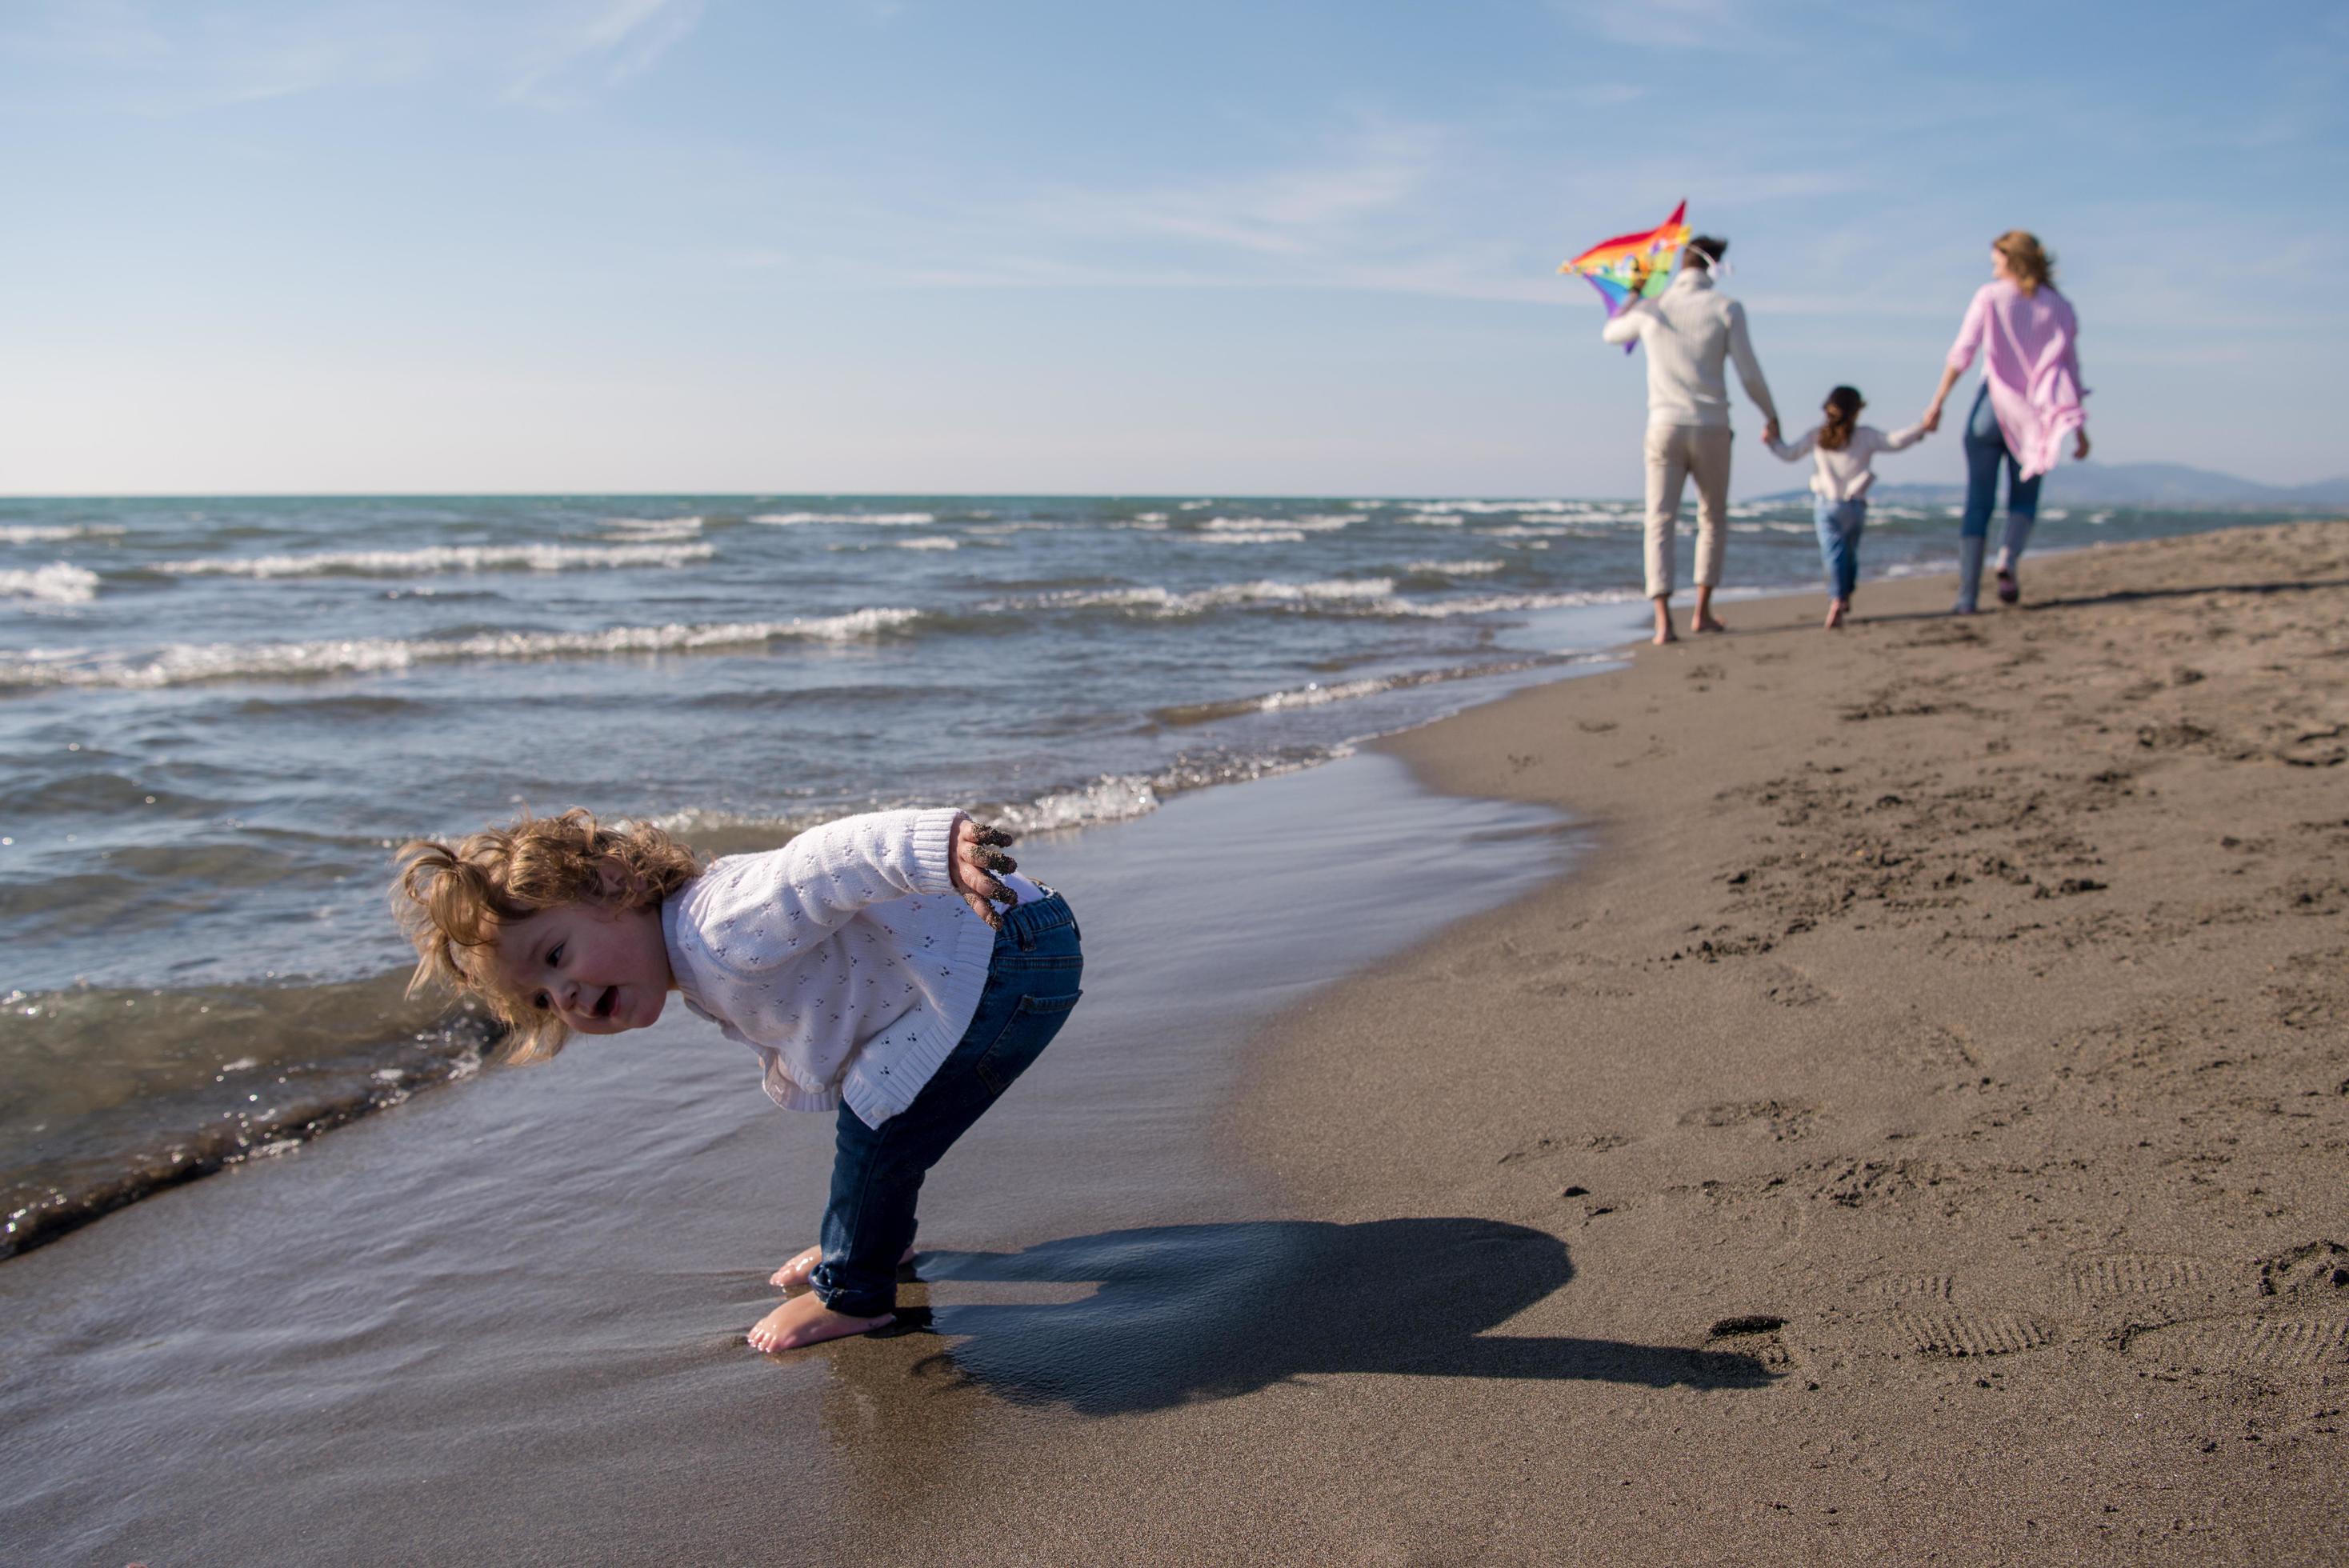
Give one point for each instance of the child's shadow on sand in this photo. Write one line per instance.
(1184, 1313)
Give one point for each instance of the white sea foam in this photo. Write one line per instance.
(1458, 568)
(1250, 536)
(1491, 508)
(57, 583)
(871, 518)
(1492, 604)
(48, 534)
(444, 558)
(182, 664)
(928, 542)
(1114, 797)
(1323, 523)
(1168, 602)
(654, 528)
(1150, 517)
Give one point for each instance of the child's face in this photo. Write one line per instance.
(599, 970)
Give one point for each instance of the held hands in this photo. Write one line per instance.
(1770, 431)
(1932, 420)
(975, 859)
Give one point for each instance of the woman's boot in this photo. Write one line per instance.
(1970, 565)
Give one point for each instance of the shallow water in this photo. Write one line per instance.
(218, 716)
(514, 1313)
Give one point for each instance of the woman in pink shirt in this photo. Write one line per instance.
(2030, 400)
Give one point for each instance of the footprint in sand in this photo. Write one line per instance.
(2133, 1274)
(1787, 1121)
(1960, 1334)
(2244, 1343)
(1790, 987)
(1912, 1287)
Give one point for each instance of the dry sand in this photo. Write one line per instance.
(1972, 996)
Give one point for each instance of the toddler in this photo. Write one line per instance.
(1842, 449)
(864, 962)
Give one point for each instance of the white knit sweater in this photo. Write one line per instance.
(846, 959)
(1688, 330)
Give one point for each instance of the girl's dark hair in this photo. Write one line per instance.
(1705, 249)
(1842, 409)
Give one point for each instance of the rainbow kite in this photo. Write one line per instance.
(1633, 266)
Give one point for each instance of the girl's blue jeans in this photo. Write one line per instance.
(1985, 445)
(1841, 523)
(876, 1172)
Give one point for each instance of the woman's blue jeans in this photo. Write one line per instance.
(1841, 522)
(1986, 450)
(877, 1171)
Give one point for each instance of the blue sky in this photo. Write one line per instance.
(890, 245)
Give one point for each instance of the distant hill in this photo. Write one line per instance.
(2093, 483)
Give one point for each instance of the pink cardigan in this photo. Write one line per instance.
(2032, 366)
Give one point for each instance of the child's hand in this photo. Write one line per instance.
(974, 861)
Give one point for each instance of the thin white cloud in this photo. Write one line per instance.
(609, 42)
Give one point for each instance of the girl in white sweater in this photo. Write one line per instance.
(866, 962)
(1842, 451)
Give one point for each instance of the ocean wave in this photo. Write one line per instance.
(222, 1075)
(1169, 601)
(186, 663)
(57, 583)
(1250, 536)
(1457, 568)
(57, 533)
(1319, 524)
(445, 558)
(1112, 798)
(1317, 694)
(871, 518)
(1503, 604)
(654, 528)
(1503, 508)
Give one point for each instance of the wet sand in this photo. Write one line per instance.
(1916, 1133)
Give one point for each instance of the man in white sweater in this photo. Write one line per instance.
(1688, 330)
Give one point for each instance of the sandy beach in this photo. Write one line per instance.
(1954, 1022)
(1911, 1128)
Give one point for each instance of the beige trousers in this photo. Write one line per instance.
(1675, 452)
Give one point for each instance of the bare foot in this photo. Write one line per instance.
(795, 1274)
(1836, 608)
(1665, 634)
(1706, 621)
(805, 1320)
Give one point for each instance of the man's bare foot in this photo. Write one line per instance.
(796, 1272)
(805, 1320)
(1664, 632)
(1836, 608)
(1706, 621)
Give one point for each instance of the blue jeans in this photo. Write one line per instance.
(1985, 445)
(876, 1172)
(1840, 525)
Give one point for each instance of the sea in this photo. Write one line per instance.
(219, 718)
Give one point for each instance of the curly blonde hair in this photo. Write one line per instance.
(2026, 258)
(451, 901)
